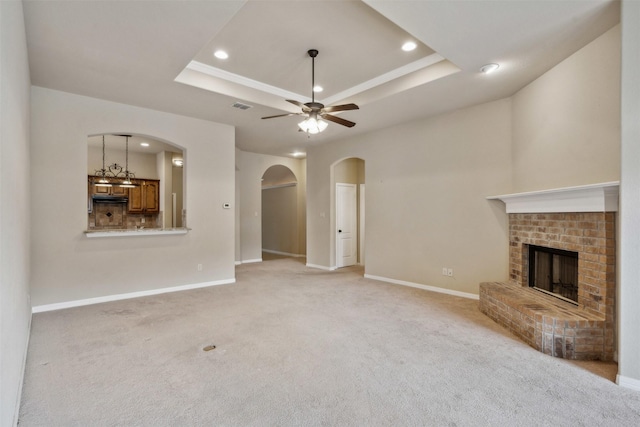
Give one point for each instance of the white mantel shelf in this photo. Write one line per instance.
(585, 198)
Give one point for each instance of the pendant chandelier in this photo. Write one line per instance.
(115, 173)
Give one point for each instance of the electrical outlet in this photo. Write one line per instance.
(444, 271)
(450, 272)
(199, 267)
(143, 220)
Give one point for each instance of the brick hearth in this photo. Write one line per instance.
(557, 327)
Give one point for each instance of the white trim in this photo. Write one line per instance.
(250, 261)
(626, 382)
(137, 233)
(238, 262)
(118, 297)
(321, 267)
(425, 62)
(269, 251)
(585, 198)
(244, 81)
(16, 411)
(425, 287)
(270, 187)
(387, 77)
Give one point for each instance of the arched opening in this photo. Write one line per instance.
(134, 182)
(348, 217)
(281, 228)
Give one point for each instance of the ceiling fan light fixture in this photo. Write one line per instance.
(312, 125)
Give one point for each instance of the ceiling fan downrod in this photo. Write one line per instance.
(313, 53)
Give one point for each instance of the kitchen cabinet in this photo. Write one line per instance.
(106, 191)
(145, 197)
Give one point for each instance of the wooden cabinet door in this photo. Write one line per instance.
(135, 199)
(100, 190)
(116, 190)
(151, 192)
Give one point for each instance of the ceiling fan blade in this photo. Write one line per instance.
(343, 107)
(282, 115)
(299, 104)
(338, 120)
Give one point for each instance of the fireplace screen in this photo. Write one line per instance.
(554, 271)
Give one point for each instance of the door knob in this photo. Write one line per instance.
(339, 231)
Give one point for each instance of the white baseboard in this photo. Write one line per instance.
(238, 262)
(321, 267)
(118, 297)
(630, 383)
(269, 251)
(250, 261)
(425, 287)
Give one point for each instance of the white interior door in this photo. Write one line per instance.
(346, 225)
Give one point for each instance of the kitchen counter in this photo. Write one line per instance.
(136, 232)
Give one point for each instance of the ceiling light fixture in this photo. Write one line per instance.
(114, 171)
(297, 154)
(103, 174)
(128, 175)
(318, 88)
(221, 54)
(489, 68)
(177, 160)
(409, 46)
(144, 144)
(312, 124)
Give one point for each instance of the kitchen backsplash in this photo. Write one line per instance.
(114, 216)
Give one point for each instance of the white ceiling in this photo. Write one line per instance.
(158, 54)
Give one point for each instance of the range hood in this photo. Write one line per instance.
(107, 198)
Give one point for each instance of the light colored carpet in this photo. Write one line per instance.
(298, 346)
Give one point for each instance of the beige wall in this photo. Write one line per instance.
(629, 244)
(349, 171)
(280, 219)
(566, 124)
(251, 167)
(425, 198)
(15, 309)
(66, 265)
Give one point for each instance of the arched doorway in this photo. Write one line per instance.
(348, 219)
(281, 228)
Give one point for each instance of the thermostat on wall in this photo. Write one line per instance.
(226, 205)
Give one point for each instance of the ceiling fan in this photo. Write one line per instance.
(316, 111)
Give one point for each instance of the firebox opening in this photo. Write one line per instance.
(554, 271)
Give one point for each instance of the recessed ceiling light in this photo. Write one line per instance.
(317, 88)
(298, 154)
(489, 68)
(409, 46)
(221, 54)
(144, 144)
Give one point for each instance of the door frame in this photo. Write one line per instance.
(355, 229)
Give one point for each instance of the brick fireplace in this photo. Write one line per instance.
(561, 328)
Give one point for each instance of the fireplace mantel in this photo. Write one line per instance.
(601, 197)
